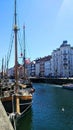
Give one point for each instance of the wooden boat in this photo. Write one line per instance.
(68, 86)
(16, 97)
(26, 81)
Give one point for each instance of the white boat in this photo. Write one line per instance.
(68, 86)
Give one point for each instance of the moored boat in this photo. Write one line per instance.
(16, 97)
(68, 86)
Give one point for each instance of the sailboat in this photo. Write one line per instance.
(26, 81)
(16, 98)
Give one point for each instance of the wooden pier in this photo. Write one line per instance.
(5, 123)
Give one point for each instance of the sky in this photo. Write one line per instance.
(47, 24)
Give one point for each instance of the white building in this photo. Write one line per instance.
(59, 64)
(11, 72)
(47, 68)
(43, 66)
(63, 60)
(37, 68)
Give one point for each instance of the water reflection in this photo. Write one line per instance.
(52, 109)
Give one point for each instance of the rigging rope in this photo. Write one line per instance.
(10, 49)
(19, 42)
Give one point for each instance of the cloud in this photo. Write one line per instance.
(66, 10)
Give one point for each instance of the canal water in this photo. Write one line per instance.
(52, 109)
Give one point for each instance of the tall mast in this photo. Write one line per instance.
(15, 34)
(16, 63)
(7, 66)
(24, 51)
(2, 67)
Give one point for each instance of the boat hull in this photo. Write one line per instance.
(10, 104)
